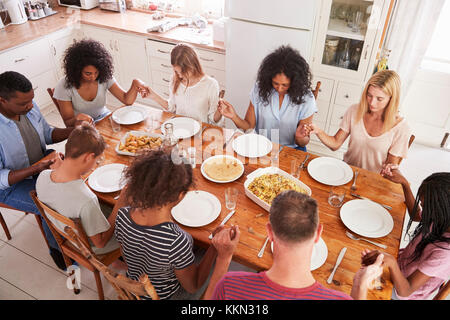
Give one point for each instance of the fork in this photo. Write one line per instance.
(352, 236)
(261, 252)
(353, 187)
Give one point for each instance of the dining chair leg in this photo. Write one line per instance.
(5, 227)
(98, 281)
(39, 222)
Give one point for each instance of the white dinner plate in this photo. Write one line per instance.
(330, 171)
(130, 114)
(366, 218)
(198, 208)
(231, 158)
(107, 178)
(319, 254)
(252, 145)
(183, 127)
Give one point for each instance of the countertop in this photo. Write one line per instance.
(130, 22)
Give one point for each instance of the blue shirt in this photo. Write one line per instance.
(13, 155)
(280, 124)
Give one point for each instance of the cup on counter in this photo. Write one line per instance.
(114, 125)
(294, 168)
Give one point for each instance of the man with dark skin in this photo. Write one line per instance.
(23, 140)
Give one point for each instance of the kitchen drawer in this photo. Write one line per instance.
(160, 65)
(326, 88)
(162, 78)
(30, 59)
(160, 49)
(211, 59)
(219, 75)
(348, 94)
(321, 115)
(162, 90)
(337, 114)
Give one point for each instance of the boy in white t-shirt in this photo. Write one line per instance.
(64, 190)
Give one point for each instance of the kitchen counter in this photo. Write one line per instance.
(130, 22)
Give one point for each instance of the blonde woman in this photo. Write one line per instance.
(192, 92)
(378, 134)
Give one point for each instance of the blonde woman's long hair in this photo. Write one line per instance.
(184, 56)
(389, 82)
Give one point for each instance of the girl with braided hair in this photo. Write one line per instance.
(424, 264)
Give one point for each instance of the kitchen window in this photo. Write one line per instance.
(437, 56)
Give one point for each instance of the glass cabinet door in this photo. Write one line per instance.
(346, 34)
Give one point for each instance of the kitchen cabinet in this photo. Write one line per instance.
(35, 61)
(346, 44)
(213, 64)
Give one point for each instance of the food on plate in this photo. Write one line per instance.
(222, 169)
(135, 144)
(268, 186)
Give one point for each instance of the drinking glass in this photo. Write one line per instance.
(336, 197)
(191, 151)
(356, 23)
(294, 168)
(114, 125)
(231, 195)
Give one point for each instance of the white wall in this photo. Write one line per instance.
(427, 107)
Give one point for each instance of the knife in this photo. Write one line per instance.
(228, 141)
(364, 198)
(224, 221)
(338, 261)
(303, 163)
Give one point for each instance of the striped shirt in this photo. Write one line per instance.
(156, 251)
(257, 286)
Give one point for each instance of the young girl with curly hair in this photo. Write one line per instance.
(89, 71)
(280, 100)
(424, 264)
(152, 242)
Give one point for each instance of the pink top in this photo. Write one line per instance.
(369, 152)
(434, 262)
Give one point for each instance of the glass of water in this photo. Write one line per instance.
(191, 151)
(231, 195)
(336, 197)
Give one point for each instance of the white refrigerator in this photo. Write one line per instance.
(255, 28)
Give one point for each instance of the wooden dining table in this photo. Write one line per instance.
(252, 219)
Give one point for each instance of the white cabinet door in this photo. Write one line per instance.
(59, 42)
(40, 84)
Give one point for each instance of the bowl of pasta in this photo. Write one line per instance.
(134, 142)
(264, 184)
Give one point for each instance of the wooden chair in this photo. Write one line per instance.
(5, 227)
(50, 92)
(443, 291)
(126, 288)
(317, 89)
(411, 139)
(66, 242)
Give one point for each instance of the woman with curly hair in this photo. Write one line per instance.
(192, 92)
(89, 70)
(280, 100)
(152, 242)
(378, 134)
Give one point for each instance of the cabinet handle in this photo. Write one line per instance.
(346, 96)
(110, 45)
(341, 117)
(205, 59)
(365, 54)
(165, 65)
(166, 52)
(116, 45)
(164, 79)
(19, 60)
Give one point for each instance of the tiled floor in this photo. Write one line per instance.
(27, 271)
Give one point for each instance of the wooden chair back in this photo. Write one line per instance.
(443, 292)
(126, 288)
(317, 89)
(411, 139)
(68, 243)
(50, 92)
